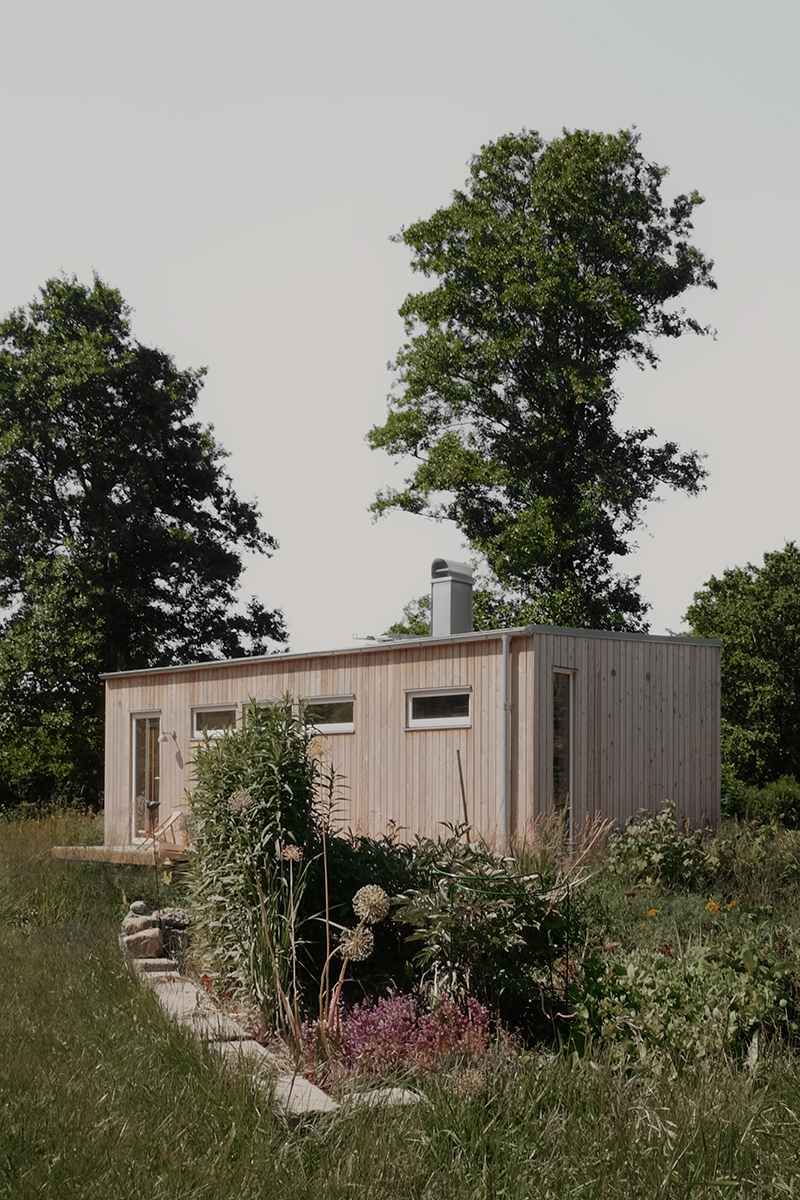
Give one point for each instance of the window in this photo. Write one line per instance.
(562, 739)
(331, 714)
(442, 708)
(212, 721)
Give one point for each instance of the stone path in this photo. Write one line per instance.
(191, 1007)
(142, 941)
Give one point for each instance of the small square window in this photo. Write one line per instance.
(212, 721)
(443, 708)
(331, 714)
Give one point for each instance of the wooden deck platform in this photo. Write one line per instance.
(161, 854)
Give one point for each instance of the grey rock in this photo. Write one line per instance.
(139, 908)
(138, 924)
(174, 918)
(147, 944)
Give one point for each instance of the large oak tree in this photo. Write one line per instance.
(121, 536)
(556, 263)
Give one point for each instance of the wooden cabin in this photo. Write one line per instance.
(498, 726)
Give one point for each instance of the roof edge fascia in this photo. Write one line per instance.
(376, 647)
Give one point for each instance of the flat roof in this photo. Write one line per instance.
(379, 644)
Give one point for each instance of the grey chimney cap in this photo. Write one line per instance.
(448, 568)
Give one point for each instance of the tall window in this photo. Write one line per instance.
(146, 770)
(562, 739)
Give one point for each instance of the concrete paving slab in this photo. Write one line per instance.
(387, 1095)
(153, 966)
(293, 1093)
(189, 1006)
(297, 1096)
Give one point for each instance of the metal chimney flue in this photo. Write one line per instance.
(451, 597)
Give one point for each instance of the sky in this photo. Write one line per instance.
(236, 170)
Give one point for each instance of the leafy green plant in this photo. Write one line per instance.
(486, 927)
(666, 1009)
(653, 848)
(757, 864)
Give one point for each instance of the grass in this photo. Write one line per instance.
(102, 1096)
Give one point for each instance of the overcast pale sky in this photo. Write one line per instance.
(236, 171)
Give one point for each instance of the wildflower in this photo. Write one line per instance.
(712, 905)
(732, 904)
(371, 904)
(356, 944)
(470, 1084)
(654, 912)
(240, 802)
(291, 854)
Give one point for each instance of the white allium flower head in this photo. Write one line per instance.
(371, 904)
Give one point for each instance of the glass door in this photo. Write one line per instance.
(146, 771)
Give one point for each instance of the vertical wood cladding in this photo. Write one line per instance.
(645, 727)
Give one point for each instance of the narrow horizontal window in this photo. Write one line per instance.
(439, 709)
(212, 721)
(331, 714)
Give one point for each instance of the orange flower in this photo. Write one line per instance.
(654, 912)
(732, 904)
(712, 905)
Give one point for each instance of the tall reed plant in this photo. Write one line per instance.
(254, 837)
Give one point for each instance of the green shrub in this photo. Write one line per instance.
(652, 848)
(254, 836)
(756, 865)
(667, 1010)
(482, 926)
(777, 801)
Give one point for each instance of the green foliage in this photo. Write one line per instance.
(758, 865)
(755, 610)
(652, 848)
(252, 799)
(666, 1009)
(485, 927)
(777, 801)
(121, 536)
(557, 262)
(99, 1085)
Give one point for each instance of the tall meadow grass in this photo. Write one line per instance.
(101, 1095)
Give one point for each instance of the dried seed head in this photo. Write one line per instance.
(239, 802)
(371, 904)
(356, 944)
(292, 853)
(320, 749)
(470, 1084)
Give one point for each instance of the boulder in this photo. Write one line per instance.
(139, 924)
(149, 943)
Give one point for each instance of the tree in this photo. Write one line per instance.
(121, 536)
(756, 612)
(556, 263)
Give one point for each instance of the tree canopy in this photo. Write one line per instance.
(756, 612)
(556, 262)
(121, 536)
